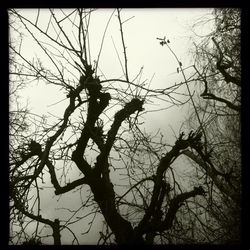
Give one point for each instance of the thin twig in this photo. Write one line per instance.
(189, 92)
(124, 47)
(102, 42)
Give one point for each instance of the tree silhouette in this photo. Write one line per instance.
(99, 128)
(218, 76)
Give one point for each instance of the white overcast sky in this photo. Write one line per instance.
(143, 50)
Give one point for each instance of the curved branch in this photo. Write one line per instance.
(175, 204)
(228, 78)
(131, 107)
(55, 225)
(213, 175)
(165, 162)
(68, 187)
(134, 186)
(219, 99)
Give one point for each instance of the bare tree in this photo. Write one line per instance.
(100, 126)
(218, 82)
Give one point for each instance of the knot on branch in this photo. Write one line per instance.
(92, 84)
(134, 105)
(193, 140)
(104, 99)
(97, 103)
(88, 72)
(35, 148)
(199, 190)
(72, 93)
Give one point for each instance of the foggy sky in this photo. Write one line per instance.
(143, 50)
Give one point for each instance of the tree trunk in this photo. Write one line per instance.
(105, 197)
